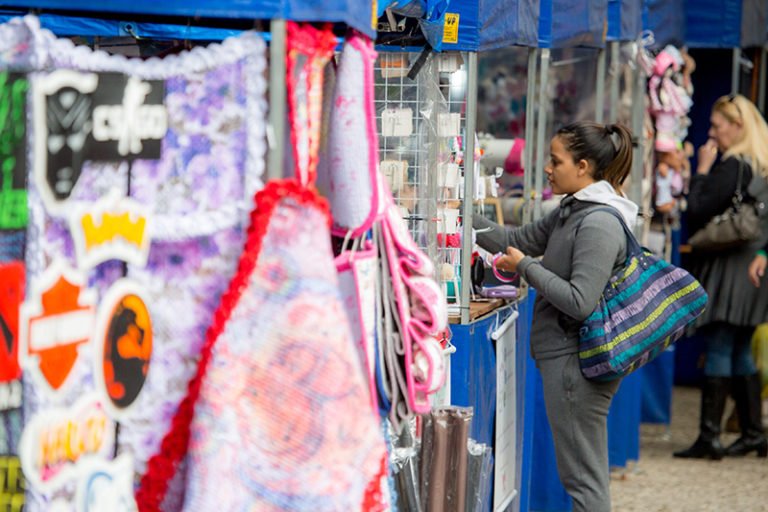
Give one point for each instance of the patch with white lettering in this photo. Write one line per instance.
(59, 316)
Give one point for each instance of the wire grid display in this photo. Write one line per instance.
(420, 122)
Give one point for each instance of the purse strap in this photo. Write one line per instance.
(738, 196)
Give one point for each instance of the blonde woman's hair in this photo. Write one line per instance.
(754, 141)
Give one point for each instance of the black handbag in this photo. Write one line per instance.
(738, 225)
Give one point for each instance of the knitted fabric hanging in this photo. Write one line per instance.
(278, 416)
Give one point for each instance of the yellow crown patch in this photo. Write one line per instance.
(115, 227)
(111, 227)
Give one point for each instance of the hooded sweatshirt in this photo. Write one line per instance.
(580, 250)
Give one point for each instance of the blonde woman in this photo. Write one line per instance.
(738, 133)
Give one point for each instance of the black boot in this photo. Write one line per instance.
(713, 395)
(746, 392)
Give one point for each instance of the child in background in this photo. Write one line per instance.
(669, 180)
(669, 189)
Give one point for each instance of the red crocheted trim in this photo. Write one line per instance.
(162, 467)
(373, 500)
(318, 46)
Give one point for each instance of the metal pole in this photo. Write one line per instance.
(735, 71)
(761, 83)
(277, 104)
(530, 130)
(541, 132)
(600, 93)
(469, 184)
(638, 110)
(614, 72)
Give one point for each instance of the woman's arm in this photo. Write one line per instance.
(596, 247)
(531, 238)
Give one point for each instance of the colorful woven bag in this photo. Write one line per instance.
(644, 308)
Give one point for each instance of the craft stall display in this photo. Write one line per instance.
(161, 324)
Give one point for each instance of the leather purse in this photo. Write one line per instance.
(738, 225)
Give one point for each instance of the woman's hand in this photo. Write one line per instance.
(707, 156)
(509, 262)
(757, 269)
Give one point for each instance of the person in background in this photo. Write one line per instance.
(739, 134)
(580, 251)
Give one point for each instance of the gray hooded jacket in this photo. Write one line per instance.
(579, 253)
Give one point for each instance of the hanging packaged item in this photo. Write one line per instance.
(279, 379)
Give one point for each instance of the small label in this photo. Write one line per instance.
(451, 28)
(394, 172)
(397, 122)
(448, 125)
(449, 175)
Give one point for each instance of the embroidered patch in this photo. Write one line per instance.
(124, 346)
(115, 227)
(106, 485)
(56, 441)
(13, 159)
(58, 318)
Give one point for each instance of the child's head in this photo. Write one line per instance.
(673, 159)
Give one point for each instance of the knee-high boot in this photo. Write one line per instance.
(713, 396)
(746, 392)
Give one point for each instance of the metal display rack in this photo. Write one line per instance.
(421, 120)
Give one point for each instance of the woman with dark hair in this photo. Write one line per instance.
(580, 249)
(739, 133)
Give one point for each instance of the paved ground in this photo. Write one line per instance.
(660, 483)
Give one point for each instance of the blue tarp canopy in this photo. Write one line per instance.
(666, 19)
(93, 27)
(355, 13)
(565, 23)
(490, 24)
(713, 24)
(625, 20)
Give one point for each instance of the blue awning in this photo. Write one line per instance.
(490, 24)
(355, 13)
(713, 24)
(93, 27)
(504, 23)
(564, 23)
(625, 20)
(666, 19)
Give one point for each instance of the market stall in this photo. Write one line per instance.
(120, 219)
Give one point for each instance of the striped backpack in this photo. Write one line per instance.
(644, 308)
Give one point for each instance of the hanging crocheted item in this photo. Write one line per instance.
(348, 176)
(278, 417)
(193, 189)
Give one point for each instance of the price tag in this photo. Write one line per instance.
(397, 122)
(447, 220)
(448, 125)
(449, 175)
(394, 172)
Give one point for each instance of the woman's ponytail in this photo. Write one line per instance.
(618, 170)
